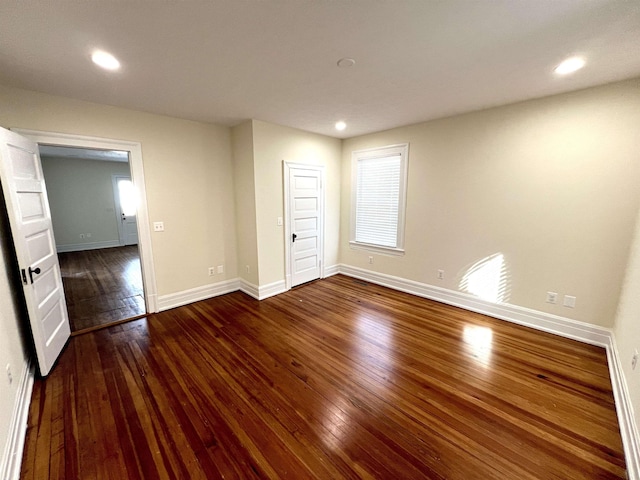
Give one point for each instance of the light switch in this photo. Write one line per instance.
(279, 221)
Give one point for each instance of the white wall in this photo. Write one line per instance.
(552, 184)
(13, 346)
(272, 145)
(245, 201)
(627, 325)
(81, 198)
(188, 174)
(259, 149)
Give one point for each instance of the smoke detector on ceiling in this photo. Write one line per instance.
(346, 62)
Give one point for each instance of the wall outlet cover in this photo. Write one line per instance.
(569, 301)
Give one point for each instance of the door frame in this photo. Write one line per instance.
(137, 176)
(286, 170)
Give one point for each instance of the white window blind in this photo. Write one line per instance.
(378, 205)
(377, 201)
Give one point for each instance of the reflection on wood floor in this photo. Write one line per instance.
(335, 379)
(102, 286)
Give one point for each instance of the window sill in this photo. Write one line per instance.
(376, 248)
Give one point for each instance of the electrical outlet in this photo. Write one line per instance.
(88, 235)
(552, 297)
(158, 226)
(634, 360)
(370, 259)
(212, 271)
(82, 235)
(9, 375)
(569, 301)
(440, 274)
(220, 268)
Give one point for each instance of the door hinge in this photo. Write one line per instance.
(24, 276)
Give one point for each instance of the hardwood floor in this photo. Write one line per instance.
(336, 379)
(102, 286)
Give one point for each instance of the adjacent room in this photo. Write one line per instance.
(286, 239)
(93, 210)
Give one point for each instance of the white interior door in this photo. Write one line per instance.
(30, 219)
(305, 212)
(126, 208)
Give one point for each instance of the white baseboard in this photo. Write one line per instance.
(250, 289)
(173, 300)
(12, 455)
(152, 303)
(262, 292)
(271, 289)
(79, 247)
(564, 327)
(624, 409)
(332, 270)
(546, 322)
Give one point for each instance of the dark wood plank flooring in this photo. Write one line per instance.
(336, 379)
(102, 286)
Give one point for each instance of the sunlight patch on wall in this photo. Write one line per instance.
(488, 279)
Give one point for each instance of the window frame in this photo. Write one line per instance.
(380, 152)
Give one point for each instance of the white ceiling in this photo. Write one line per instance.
(227, 61)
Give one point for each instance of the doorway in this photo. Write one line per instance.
(93, 211)
(95, 264)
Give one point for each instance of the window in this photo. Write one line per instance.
(379, 179)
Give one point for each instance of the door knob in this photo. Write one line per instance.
(32, 271)
(293, 237)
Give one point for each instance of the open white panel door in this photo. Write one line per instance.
(31, 229)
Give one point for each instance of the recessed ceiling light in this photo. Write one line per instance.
(105, 60)
(346, 62)
(570, 65)
(341, 125)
